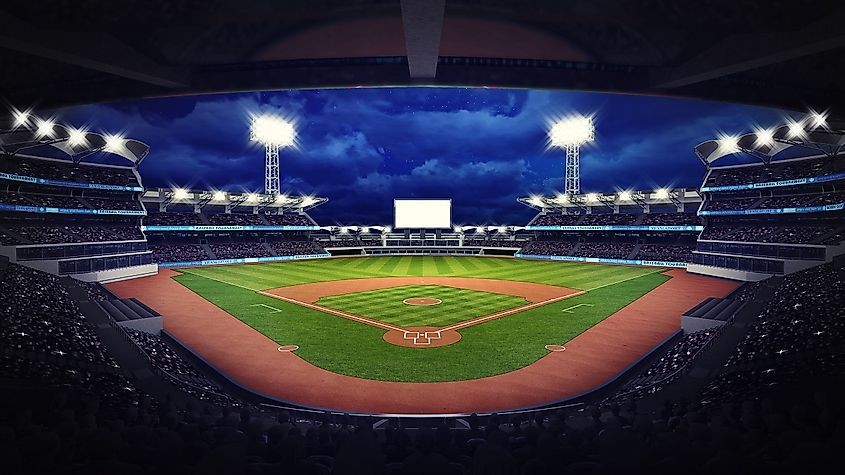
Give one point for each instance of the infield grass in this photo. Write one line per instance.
(457, 305)
(356, 349)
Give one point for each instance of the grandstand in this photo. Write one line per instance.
(776, 216)
(69, 217)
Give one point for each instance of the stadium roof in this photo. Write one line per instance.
(56, 52)
(828, 141)
(73, 144)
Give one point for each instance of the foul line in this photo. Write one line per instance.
(339, 313)
(625, 280)
(220, 280)
(274, 309)
(569, 309)
(505, 313)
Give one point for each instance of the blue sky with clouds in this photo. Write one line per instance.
(364, 147)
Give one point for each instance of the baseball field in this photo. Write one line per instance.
(421, 318)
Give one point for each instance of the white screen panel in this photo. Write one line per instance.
(422, 214)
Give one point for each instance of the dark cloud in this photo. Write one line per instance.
(364, 147)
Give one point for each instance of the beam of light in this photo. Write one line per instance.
(307, 201)
(77, 137)
(114, 142)
(272, 130)
(573, 130)
(592, 197)
(764, 138)
(251, 197)
(624, 196)
(818, 119)
(180, 194)
(796, 129)
(45, 127)
(728, 143)
(661, 193)
(20, 117)
(536, 200)
(219, 196)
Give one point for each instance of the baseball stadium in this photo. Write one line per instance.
(414, 236)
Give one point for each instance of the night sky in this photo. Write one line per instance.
(364, 147)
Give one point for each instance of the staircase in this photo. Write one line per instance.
(828, 234)
(269, 249)
(15, 236)
(208, 251)
(635, 251)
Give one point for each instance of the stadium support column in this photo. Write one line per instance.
(572, 180)
(271, 169)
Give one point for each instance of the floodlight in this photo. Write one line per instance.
(272, 132)
(661, 194)
(219, 196)
(281, 198)
(728, 143)
(180, 194)
(571, 133)
(76, 137)
(562, 198)
(592, 197)
(818, 119)
(307, 201)
(625, 196)
(20, 117)
(765, 138)
(45, 127)
(796, 129)
(251, 197)
(535, 200)
(114, 142)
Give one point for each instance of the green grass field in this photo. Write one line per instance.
(387, 305)
(352, 348)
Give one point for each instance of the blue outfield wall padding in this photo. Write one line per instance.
(229, 228)
(602, 260)
(245, 260)
(615, 228)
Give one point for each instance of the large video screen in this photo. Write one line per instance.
(422, 214)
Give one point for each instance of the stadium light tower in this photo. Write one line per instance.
(274, 133)
(571, 133)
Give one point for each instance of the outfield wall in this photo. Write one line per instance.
(602, 260)
(246, 260)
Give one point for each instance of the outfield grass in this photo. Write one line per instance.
(576, 275)
(355, 349)
(386, 305)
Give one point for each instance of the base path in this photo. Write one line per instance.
(312, 292)
(591, 360)
(536, 294)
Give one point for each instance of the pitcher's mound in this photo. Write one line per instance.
(422, 301)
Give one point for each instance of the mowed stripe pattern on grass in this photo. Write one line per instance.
(582, 276)
(456, 305)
